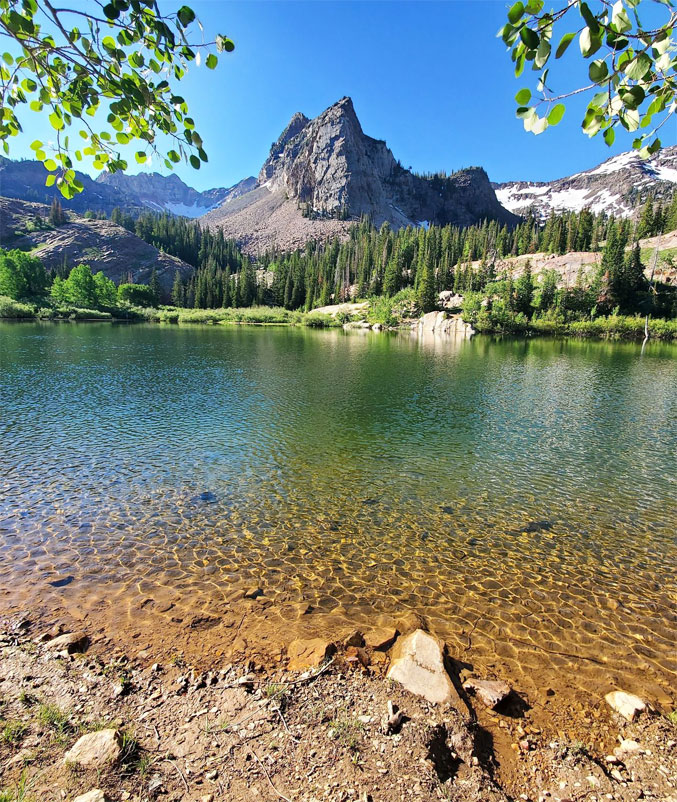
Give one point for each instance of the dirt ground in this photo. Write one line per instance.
(247, 731)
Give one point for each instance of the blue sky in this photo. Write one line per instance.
(430, 78)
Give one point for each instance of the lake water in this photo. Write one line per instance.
(520, 495)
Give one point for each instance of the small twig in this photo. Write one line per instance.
(265, 771)
(279, 713)
(180, 773)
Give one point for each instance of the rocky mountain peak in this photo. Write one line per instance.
(323, 173)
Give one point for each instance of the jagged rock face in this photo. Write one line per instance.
(330, 164)
(323, 173)
(617, 186)
(101, 244)
(25, 180)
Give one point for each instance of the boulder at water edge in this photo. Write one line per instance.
(418, 664)
(308, 653)
(627, 704)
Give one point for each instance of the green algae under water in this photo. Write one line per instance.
(518, 494)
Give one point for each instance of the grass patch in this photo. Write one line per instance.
(347, 730)
(12, 732)
(55, 719)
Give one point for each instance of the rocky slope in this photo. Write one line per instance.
(25, 180)
(325, 172)
(101, 244)
(616, 186)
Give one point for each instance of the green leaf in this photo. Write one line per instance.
(224, 43)
(589, 43)
(49, 164)
(140, 156)
(529, 37)
(211, 61)
(195, 162)
(111, 11)
(186, 15)
(173, 156)
(523, 97)
(56, 121)
(49, 181)
(542, 54)
(590, 20)
(609, 136)
(556, 114)
(598, 71)
(534, 6)
(632, 96)
(36, 144)
(638, 67)
(515, 13)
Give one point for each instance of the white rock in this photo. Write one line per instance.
(418, 665)
(96, 749)
(627, 704)
(92, 796)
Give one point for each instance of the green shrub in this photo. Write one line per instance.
(9, 308)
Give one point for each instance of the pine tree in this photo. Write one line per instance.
(155, 287)
(56, 214)
(178, 291)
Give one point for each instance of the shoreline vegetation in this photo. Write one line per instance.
(379, 315)
(577, 274)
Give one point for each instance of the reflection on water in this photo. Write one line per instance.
(520, 495)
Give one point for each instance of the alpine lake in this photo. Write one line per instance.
(518, 495)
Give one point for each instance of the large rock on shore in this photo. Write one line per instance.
(95, 750)
(418, 665)
(309, 653)
(627, 704)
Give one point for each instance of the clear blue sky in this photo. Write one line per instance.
(430, 78)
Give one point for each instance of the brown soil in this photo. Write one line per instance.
(252, 730)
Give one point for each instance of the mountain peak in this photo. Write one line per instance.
(323, 172)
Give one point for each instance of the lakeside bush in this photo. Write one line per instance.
(9, 308)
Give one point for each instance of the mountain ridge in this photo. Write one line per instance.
(616, 186)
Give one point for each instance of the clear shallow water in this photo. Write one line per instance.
(520, 495)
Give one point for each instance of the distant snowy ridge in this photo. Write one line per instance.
(617, 186)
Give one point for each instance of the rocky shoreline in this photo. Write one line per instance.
(374, 715)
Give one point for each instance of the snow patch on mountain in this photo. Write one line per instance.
(618, 187)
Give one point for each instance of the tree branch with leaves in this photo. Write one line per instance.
(632, 69)
(122, 59)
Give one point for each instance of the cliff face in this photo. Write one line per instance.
(617, 186)
(330, 171)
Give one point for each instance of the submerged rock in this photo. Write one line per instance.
(418, 665)
(309, 653)
(491, 691)
(627, 704)
(206, 496)
(96, 749)
(61, 583)
(380, 639)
